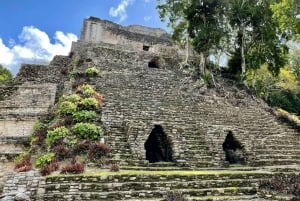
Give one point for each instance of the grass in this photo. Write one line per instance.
(161, 173)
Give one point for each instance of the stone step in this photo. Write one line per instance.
(223, 198)
(271, 161)
(157, 185)
(277, 156)
(160, 193)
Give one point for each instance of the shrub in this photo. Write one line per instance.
(23, 163)
(88, 104)
(21, 157)
(67, 108)
(44, 159)
(99, 98)
(74, 167)
(287, 184)
(73, 98)
(86, 90)
(48, 168)
(92, 71)
(87, 131)
(84, 116)
(208, 78)
(74, 73)
(56, 134)
(81, 148)
(56, 123)
(98, 150)
(61, 151)
(101, 163)
(115, 167)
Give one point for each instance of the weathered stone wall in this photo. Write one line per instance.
(134, 37)
(22, 186)
(108, 57)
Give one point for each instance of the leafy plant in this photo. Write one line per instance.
(56, 123)
(88, 104)
(98, 150)
(86, 90)
(67, 108)
(101, 163)
(84, 116)
(56, 134)
(73, 98)
(208, 78)
(115, 167)
(99, 98)
(23, 163)
(44, 159)
(87, 131)
(74, 73)
(21, 157)
(61, 151)
(74, 167)
(81, 148)
(92, 71)
(48, 168)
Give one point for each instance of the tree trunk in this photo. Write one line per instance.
(202, 63)
(243, 64)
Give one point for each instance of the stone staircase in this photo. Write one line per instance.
(147, 185)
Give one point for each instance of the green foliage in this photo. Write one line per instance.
(74, 74)
(208, 78)
(5, 74)
(286, 13)
(92, 71)
(286, 100)
(89, 103)
(44, 160)
(21, 156)
(73, 98)
(86, 90)
(67, 108)
(87, 131)
(56, 134)
(84, 116)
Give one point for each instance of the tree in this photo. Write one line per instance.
(286, 13)
(172, 12)
(206, 26)
(257, 38)
(5, 74)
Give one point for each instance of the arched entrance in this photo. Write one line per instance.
(158, 147)
(233, 150)
(155, 62)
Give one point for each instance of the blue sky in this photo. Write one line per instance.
(33, 31)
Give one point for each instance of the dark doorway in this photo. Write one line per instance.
(154, 62)
(146, 47)
(158, 147)
(233, 149)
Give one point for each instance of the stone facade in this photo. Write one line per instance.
(134, 37)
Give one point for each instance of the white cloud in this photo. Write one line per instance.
(34, 46)
(120, 11)
(147, 18)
